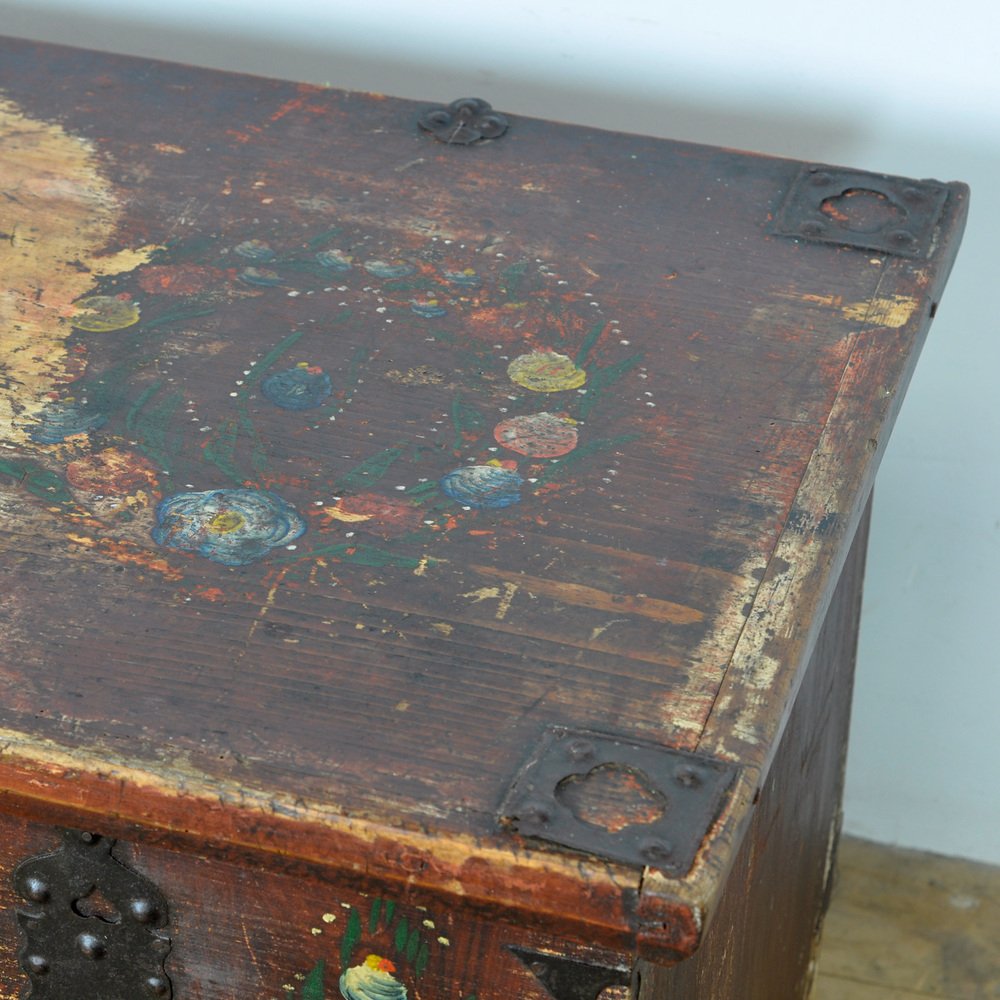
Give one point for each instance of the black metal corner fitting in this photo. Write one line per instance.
(851, 208)
(635, 803)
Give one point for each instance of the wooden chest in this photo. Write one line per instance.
(432, 540)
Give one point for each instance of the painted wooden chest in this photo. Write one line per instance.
(431, 540)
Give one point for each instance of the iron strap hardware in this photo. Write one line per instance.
(463, 122)
(569, 978)
(636, 803)
(865, 211)
(93, 928)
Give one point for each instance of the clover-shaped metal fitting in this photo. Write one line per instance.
(463, 121)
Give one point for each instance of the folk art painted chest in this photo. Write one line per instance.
(431, 540)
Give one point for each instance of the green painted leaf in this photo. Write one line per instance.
(413, 945)
(601, 379)
(369, 471)
(564, 465)
(325, 237)
(151, 426)
(402, 935)
(593, 336)
(423, 957)
(390, 911)
(257, 372)
(39, 482)
(512, 277)
(352, 934)
(373, 916)
(174, 316)
(312, 986)
(465, 418)
(141, 400)
(220, 450)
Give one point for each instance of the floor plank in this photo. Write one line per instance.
(905, 925)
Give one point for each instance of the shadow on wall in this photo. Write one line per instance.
(658, 113)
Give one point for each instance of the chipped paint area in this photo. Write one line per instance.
(59, 214)
(892, 311)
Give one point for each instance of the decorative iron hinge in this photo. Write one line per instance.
(463, 122)
(637, 803)
(866, 211)
(570, 979)
(94, 928)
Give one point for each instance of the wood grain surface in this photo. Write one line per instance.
(906, 923)
(339, 465)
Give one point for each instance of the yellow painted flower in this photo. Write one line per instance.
(103, 313)
(546, 371)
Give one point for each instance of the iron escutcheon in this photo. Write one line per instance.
(93, 927)
(862, 210)
(636, 803)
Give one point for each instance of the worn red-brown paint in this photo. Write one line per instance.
(346, 464)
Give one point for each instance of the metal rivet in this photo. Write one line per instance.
(812, 228)
(580, 749)
(90, 838)
(36, 964)
(687, 776)
(535, 812)
(91, 945)
(902, 237)
(36, 889)
(158, 986)
(655, 850)
(143, 910)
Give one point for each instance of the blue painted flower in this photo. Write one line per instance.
(260, 276)
(385, 269)
(334, 260)
(299, 388)
(256, 250)
(428, 308)
(484, 486)
(60, 420)
(232, 527)
(463, 279)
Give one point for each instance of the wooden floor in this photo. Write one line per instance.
(905, 925)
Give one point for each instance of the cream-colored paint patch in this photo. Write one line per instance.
(59, 213)
(892, 311)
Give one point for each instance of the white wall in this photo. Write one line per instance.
(901, 86)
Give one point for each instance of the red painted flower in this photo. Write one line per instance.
(177, 279)
(112, 472)
(378, 514)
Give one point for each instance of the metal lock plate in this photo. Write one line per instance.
(92, 928)
(636, 803)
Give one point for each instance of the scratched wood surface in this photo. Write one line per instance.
(338, 464)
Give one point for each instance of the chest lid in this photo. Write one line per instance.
(420, 491)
